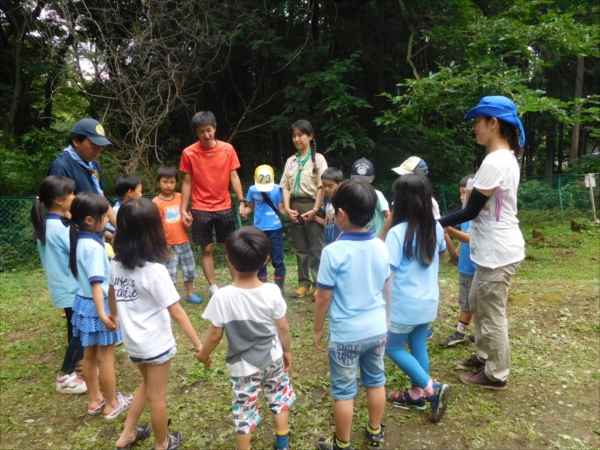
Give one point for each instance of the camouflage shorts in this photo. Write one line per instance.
(276, 387)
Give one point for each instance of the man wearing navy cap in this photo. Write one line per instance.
(79, 160)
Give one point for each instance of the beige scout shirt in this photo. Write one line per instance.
(309, 182)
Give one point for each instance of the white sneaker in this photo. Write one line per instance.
(70, 384)
(214, 288)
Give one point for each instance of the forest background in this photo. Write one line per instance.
(379, 79)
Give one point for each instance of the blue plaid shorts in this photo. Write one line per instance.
(184, 256)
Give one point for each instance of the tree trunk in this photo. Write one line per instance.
(578, 92)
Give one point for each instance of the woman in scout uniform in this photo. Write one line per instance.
(302, 197)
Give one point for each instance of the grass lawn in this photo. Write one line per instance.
(552, 400)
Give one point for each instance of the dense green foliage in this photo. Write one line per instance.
(380, 79)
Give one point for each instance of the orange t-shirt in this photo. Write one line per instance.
(170, 213)
(210, 169)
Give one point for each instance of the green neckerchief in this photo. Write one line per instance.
(301, 163)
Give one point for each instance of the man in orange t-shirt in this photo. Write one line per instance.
(209, 167)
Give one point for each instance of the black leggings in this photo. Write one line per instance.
(74, 352)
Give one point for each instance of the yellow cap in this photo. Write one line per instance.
(264, 178)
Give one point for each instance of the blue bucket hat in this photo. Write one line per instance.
(501, 108)
(91, 129)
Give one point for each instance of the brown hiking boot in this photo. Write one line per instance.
(470, 363)
(480, 379)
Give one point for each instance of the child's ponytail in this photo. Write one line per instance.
(73, 248)
(51, 188)
(38, 218)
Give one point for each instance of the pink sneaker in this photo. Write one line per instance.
(70, 384)
(123, 403)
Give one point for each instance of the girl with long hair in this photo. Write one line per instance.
(94, 322)
(146, 299)
(416, 244)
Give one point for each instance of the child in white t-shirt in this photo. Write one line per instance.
(252, 314)
(146, 301)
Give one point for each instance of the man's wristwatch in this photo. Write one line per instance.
(242, 201)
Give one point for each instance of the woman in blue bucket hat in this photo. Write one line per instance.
(497, 245)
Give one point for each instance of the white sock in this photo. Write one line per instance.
(214, 288)
(462, 328)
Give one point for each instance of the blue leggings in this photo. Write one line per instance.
(416, 363)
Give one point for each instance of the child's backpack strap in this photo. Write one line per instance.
(269, 202)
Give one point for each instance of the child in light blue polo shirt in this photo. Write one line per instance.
(51, 229)
(466, 272)
(415, 244)
(352, 274)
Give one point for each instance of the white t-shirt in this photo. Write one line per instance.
(496, 243)
(248, 316)
(143, 296)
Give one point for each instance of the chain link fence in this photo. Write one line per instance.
(541, 199)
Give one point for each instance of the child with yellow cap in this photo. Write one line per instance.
(266, 200)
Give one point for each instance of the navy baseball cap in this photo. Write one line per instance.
(91, 129)
(363, 169)
(502, 108)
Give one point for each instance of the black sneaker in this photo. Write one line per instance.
(375, 441)
(472, 338)
(456, 338)
(330, 444)
(174, 441)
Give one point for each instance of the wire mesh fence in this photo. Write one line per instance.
(557, 198)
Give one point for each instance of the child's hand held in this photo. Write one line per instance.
(317, 336)
(287, 361)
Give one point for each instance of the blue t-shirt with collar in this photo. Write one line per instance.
(264, 217)
(465, 263)
(355, 268)
(92, 264)
(54, 255)
(415, 289)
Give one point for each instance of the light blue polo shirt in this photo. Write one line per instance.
(92, 264)
(264, 217)
(54, 255)
(415, 290)
(465, 263)
(116, 207)
(355, 268)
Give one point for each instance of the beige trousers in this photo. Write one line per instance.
(487, 301)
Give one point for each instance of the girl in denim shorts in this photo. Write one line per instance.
(146, 300)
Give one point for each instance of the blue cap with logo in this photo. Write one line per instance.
(501, 108)
(91, 129)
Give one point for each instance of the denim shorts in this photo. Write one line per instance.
(346, 357)
(158, 359)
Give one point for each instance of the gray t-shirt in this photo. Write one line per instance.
(248, 316)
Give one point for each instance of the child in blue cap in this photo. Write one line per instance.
(497, 245)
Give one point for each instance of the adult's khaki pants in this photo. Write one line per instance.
(307, 240)
(487, 301)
